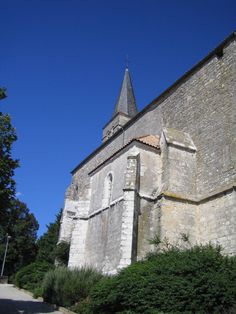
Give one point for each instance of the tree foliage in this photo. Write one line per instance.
(22, 226)
(31, 276)
(48, 241)
(15, 218)
(7, 164)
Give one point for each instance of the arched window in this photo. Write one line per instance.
(107, 191)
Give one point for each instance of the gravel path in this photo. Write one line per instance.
(13, 301)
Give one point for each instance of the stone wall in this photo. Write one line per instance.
(77, 257)
(67, 220)
(115, 166)
(177, 218)
(148, 226)
(216, 221)
(178, 154)
(104, 238)
(203, 105)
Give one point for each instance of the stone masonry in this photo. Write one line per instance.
(167, 170)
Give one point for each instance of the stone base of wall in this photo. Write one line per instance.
(177, 220)
(216, 221)
(209, 220)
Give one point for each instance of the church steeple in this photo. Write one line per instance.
(125, 108)
(126, 100)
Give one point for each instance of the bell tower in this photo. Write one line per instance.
(125, 108)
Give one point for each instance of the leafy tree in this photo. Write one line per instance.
(31, 276)
(7, 164)
(15, 218)
(47, 243)
(22, 226)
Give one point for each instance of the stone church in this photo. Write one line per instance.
(167, 170)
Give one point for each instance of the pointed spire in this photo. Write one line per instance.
(126, 101)
(125, 108)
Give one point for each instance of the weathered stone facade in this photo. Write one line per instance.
(169, 170)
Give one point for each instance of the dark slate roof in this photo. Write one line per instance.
(126, 101)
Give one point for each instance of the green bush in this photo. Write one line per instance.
(66, 287)
(31, 276)
(38, 291)
(196, 280)
(82, 307)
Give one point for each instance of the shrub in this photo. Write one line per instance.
(198, 279)
(38, 292)
(31, 276)
(66, 287)
(83, 307)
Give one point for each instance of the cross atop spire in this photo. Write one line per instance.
(126, 101)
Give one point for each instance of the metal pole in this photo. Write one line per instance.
(5, 254)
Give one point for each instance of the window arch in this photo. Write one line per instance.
(107, 190)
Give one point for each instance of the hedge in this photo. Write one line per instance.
(196, 280)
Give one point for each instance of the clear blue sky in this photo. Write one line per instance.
(62, 62)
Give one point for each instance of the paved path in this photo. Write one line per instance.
(14, 301)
